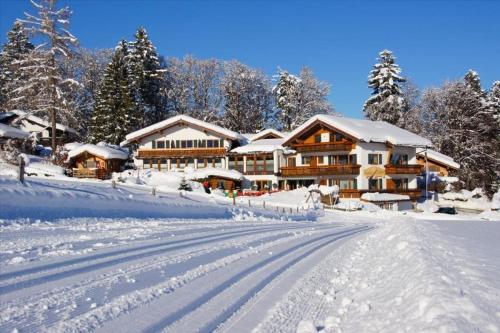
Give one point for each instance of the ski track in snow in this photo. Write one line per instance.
(113, 285)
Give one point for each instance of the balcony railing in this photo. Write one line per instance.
(259, 172)
(180, 153)
(348, 193)
(408, 169)
(320, 170)
(324, 146)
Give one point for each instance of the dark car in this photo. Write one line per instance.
(447, 210)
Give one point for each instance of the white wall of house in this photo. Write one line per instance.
(181, 132)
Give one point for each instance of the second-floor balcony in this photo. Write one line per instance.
(407, 169)
(181, 153)
(324, 146)
(327, 170)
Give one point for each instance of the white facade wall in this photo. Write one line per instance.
(181, 132)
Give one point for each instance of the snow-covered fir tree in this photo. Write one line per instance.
(456, 119)
(51, 91)
(14, 51)
(147, 79)
(87, 67)
(494, 101)
(386, 101)
(247, 98)
(286, 95)
(115, 113)
(299, 98)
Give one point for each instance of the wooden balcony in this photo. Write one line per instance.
(413, 194)
(320, 170)
(409, 169)
(259, 172)
(181, 153)
(324, 146)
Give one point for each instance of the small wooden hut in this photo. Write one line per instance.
(96, 161)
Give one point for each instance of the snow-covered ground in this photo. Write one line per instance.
(79, 256)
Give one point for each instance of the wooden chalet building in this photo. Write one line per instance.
(39, 128)
(438, 163)
(96, 161)
(358, 155)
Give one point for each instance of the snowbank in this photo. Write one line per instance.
(218, 172)
(38, 166)
(376, 196)
(440, 158)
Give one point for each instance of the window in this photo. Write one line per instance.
(160, 144)
(260, 164)
(343, 159)
(177, 143)
(291, 161)
(269, 164)
(217, 163)
(317, 138)
(401, 184)
(306, 160)
(353, 159)
(210, 143)
(183, 144)
(374, 158)
(221, 143)
(202, 163)
(215, 143)
(195, 143)
(172, 144)
(145, 163)
(344, 184)
(336, 137)
(167, 144)
(250, 164)
(190, 143)
(399, 159)
(375, 184)
(332, 159)
(202, 143)
(153, 144)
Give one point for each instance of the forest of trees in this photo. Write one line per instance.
(107, 93)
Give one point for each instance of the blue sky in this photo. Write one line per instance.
(434, 41)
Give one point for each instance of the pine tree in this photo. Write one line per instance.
(52, 90)
(286, 95)
(494, 101)
(247, 98)
(147, 78)
(115, 113)
(386, 101)
(11, 78)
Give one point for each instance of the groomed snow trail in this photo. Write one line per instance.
(180, 276)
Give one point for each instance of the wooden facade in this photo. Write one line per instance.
(298, 171)
(407, 169)
(87, 165)
(439, 168)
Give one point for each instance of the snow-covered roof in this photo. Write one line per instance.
(376, 196)
(265, 132)
(262, 146)
(7, 131)
(101, 150)
(365, 130)
(174, 120)
(72, 145)
(43, 122)
(440, 158)
(217, 172)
